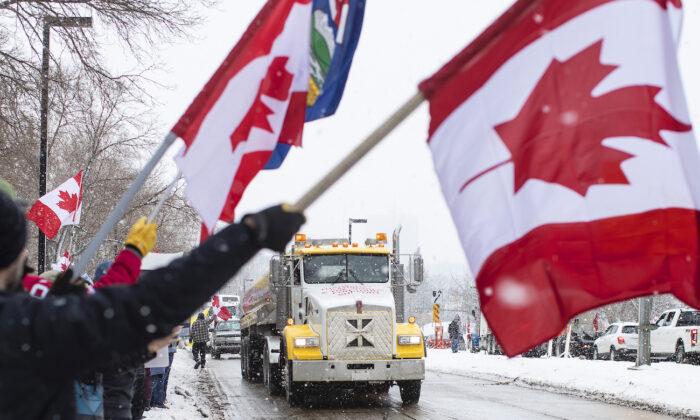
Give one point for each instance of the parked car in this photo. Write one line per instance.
(581, 345)
(676, 335)
(226, 338)
(619, 341)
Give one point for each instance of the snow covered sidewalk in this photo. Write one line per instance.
(185, 401)
(664, 387)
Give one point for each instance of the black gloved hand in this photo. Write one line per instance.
(65, 284)
(274, 227)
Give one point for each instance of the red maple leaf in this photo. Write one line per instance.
(276, 85)
(69, 202)
(557, 135)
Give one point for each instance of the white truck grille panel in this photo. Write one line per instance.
(365, 336)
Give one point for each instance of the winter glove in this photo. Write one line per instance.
(66, 285)
(142, 236)
(274, 227)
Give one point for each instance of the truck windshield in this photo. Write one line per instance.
(229, 326)
(346, 269)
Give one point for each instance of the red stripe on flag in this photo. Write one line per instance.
(45, 219)
(256, 42)
(557, 271)
(293, 127)
(203, 233)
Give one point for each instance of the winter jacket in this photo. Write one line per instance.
(124, 270)
(199, 332)
(47, 343)
(453, 330)
(118, 378)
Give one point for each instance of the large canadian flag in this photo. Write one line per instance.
(58, 208)
(564, 149)
(254, 101)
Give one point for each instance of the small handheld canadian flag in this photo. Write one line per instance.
(60, 207)
(63, 262)
(221, 312)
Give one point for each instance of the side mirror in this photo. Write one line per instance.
(417, 269)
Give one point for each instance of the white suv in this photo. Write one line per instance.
(618, 341)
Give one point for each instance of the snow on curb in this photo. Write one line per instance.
(663, 387)
(185, 401)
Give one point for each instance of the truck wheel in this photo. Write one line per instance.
(245, 367)
(410, 391)
(679, 356)
(381, 390)
(271, 376)
(295, 396)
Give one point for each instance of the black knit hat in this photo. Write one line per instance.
(13, 230)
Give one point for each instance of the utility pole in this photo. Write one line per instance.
(49, 22)
(644, 349)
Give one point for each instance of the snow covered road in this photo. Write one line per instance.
(223, 395)
(667, 387)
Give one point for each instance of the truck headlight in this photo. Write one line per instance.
(405, 340)
(306, 342)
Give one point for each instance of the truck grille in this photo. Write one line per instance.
(365, 336)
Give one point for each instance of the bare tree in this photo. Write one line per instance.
(140, 26)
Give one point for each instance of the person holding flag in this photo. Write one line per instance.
(49, 342)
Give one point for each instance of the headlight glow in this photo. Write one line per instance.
(406, 340)
(306, 342)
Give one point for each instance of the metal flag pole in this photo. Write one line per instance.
(359, 152)
(169, 192)
(121, 207)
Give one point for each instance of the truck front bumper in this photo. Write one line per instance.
(357, 370)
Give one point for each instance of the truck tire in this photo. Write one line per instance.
(245, 366)
(410, 391)
(293, 391)
(271, 375)
(255, 362)
(381, 390)
(679, 355)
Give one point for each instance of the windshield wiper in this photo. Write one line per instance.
(338, 277)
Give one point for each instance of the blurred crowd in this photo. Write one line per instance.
(77, 347)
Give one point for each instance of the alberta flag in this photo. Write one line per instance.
(335, 32)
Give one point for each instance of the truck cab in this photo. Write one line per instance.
(337, 303)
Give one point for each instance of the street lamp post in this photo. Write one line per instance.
(350, 222)
(49, 22)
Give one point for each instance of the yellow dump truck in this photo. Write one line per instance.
(326, 317)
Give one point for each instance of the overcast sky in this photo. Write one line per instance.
(402, 43)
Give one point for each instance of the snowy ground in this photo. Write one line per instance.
(664, 387)
(187, 388)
